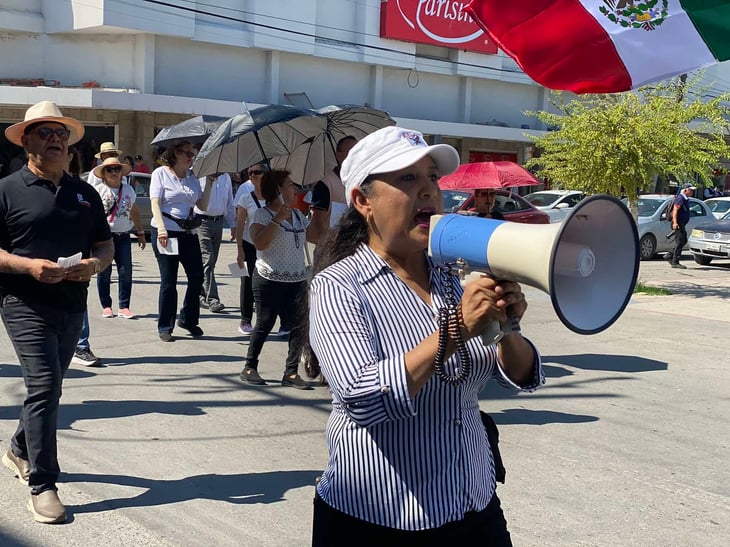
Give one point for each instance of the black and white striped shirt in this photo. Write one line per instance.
(410, 464)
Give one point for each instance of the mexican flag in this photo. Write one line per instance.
(605, 46)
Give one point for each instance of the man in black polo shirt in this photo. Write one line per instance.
(45, 214)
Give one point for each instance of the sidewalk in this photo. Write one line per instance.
(627, 444)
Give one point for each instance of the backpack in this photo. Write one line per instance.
(668, 210)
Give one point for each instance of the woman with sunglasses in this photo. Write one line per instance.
(279, 279)
(174, 192)
(122, 214)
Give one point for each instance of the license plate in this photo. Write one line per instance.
(713, 247)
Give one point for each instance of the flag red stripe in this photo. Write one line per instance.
(556, 42)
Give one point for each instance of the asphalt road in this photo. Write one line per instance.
(627, 445)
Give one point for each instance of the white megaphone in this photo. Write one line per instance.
(588, 263)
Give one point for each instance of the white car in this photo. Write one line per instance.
(556, 203)
(718, 206)
(654, 226)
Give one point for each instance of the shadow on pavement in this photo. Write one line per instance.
(252, 488)
(685, 288)
(101, 410)
(9, 541)
(13, 371)
(613, 363)
(524, 416)
(169, 359)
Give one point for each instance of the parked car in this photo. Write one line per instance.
(654, 227)
(511, 205)
(718, 206)
(556, 203)
(710, 240)
(141, 184)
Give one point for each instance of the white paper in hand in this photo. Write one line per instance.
(171, 249)
(68, 261)
(238, 272)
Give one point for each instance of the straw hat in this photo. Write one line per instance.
(108, 147)
(45, 111)
(99, 169)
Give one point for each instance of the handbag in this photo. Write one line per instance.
(188, 224)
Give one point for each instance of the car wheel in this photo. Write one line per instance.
(647, 247)
(703, 260)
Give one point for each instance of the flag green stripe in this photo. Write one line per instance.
(711, 18)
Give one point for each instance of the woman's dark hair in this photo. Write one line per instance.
(271, 181)
(351, 231)
(169, 156)
(74, 166)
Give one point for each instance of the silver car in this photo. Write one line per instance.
(710, 240)
(654, 227)
(141, 184)
(558, 204)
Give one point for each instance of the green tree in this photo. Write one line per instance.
(608, 142)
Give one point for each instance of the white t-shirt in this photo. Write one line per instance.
(117, 206)
(245, 199)
(177, 196)
(283, 259)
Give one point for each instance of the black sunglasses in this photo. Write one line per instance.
(257, 172)
(113, 169)
(45, 133)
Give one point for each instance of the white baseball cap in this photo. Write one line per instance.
(390, 149)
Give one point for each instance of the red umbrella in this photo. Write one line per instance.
(488, 174)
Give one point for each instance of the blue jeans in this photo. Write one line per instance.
(192, 262)
(123, 260)
(83, 343)
(44, 339)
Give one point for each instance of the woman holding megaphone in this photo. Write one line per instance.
(397, 339)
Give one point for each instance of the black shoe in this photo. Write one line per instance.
(167, 337)
(194, 330)
(297, 382)
(86, 358)
(251, 376)
(680, 266)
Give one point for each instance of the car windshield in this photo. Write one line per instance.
(719, 206)
(726, 217)
(454, 199)
(539, 199)
(648, 206)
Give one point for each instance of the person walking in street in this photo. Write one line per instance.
(123, 216)
(398, 340)
(248, 201)
(280, 277)
(680, 218)
(139, 165)
(46, 216)
(106, 150)
(174, 192)
(219, 214)
(328, 196)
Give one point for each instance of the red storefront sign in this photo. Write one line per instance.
(437, 22)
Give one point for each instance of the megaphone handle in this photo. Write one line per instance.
(493, 334)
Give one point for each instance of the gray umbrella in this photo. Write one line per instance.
(195, 130)
(262, 133)
(316, 156)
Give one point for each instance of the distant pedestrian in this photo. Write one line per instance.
(220, 213)
(106, 150)
(123, 216)
(45, 215)
(139, 165)
(680, 218)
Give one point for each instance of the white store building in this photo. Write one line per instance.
(126, 68)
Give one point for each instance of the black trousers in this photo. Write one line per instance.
(284, 299)
(680, 238)
(333, 528)
(192, 262)
(44, 339)
(246, 292)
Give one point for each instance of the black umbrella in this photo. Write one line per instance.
(262, 133)
(316, 156)
(195, 130)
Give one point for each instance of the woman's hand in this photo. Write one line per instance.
(240, 258)
(162, 238)
(283, 213)
(486, 300)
